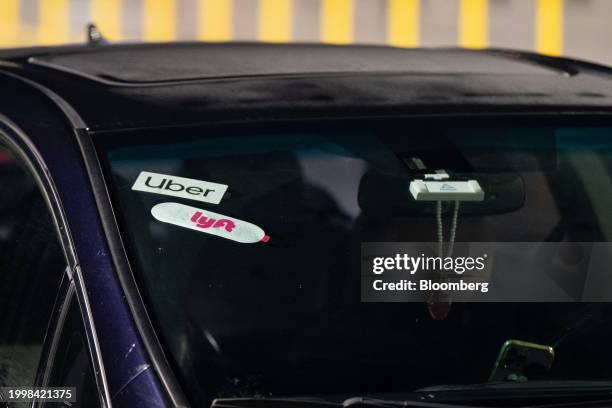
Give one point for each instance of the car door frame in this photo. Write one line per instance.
(26, 152)
(66, 295)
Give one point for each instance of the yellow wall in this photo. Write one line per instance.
(334, 21)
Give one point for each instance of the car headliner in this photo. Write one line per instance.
(136, 85)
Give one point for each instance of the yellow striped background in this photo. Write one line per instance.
(473, 23)
(275, 21)
(549, 26)
(215, 20)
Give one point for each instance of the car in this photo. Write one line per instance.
(182, 224)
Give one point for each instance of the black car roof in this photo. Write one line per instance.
(134, 85)
(155, 63)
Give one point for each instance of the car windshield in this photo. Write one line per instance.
(248, 246)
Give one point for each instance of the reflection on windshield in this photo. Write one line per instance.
(284, 316)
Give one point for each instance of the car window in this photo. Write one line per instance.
(31, 267)
(246, 243)
(71, 364)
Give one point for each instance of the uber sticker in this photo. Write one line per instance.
(180, 187)
(209, 222)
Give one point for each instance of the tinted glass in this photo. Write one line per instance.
(72, 364)
(31, 267)
(282, 315)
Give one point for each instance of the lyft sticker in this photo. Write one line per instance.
(192, 189)
(209, 222)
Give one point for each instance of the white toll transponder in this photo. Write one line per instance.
(209, 222)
